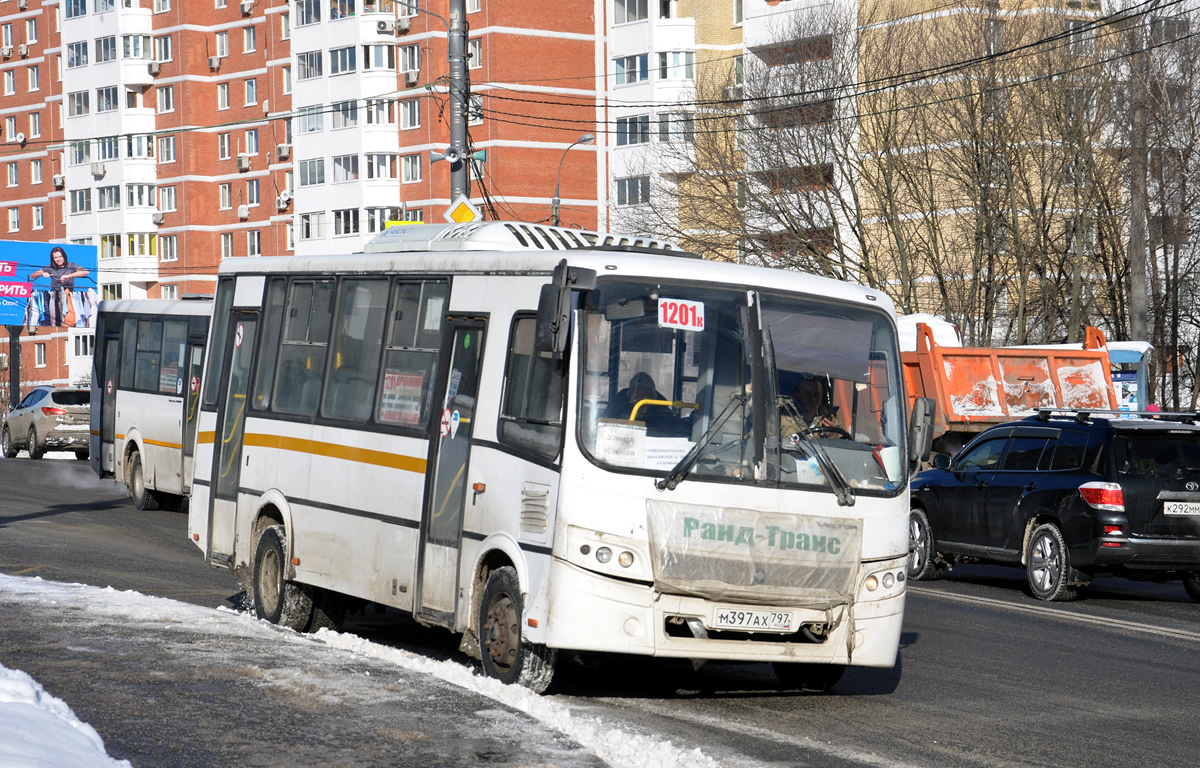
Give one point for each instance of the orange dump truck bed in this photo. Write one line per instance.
(975, 388)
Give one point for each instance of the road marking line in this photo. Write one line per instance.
(1179, 634)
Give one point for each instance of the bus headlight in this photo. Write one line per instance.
(625, 559)
(872, 583)
(603, 554)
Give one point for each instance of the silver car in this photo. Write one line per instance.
(49, 419)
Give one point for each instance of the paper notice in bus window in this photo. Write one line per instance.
(665, 452)
(681, 313)
(167, 376)
(621, 442)
(401, 399)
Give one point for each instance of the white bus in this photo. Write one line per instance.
(443, 425)
(145, 395)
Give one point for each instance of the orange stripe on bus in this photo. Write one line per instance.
(161, 444)
(338, 451)
(205, 437)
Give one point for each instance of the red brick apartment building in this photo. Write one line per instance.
(172, 134)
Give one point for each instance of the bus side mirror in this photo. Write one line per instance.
(554, 306)
(920, 432)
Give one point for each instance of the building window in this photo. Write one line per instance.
(166, 198)
(287, 79)
(410, 114)
(76, 8)
(342, 60)
(81, 201)
(107, 148)
(475, 110)
(377, 218)
(35, 124)
(139, 195)
(77, 54)
(226, 245)
(101, 6)
(168, 250)
(13, 176)
(222, 95)
(108, 198)
(340, 9)
(39, 353)
(474, 6)
(254, 243)
(633, 69)
(474, 53)
(38, 217)
(379, 57)
(1081, 37)
(10, 82)
(312, 119)
(381, 112)
(110, 246)
(139, 145)
(285, 26)
(345, 114)
(633, 130)
(166, 149)
(677, 65)
(35, 171)
(308, 65)
(35, 79)
(226, 193)
(251, 91)
(625, 11)
(252, 192)
(249, 41)
(169, 292)
(10, 128)
(162, 48)
(252, 141)
(111, 291)
(312, 172)
(166, 98)
(633, 190)
(411, 168)
(307, 12)
(14, 219)
(345, 222)
(106, 99)
(136, 46)
(222, 44)
(77, 103)
(222, 146)
(81, 152)
(106, 49)
(410, 58)
(676, 126)
(162, 5)
(382, 166)
(345, 168)
(312, 225)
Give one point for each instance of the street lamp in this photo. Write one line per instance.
(586, 138)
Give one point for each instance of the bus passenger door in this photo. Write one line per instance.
(446, 484)
(230, 429)
(108, 406)
(191, 409)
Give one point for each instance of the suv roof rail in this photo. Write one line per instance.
(1085, 417)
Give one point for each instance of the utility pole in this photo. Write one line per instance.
(14, 365)
(1138, 86)
(460, 99)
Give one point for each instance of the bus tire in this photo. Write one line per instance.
(143, 499)
(6, 443)
(818, 678)
(921, 552)
(82, 455)
(34, 451)
(329, 610)
(503, 652)
(276, 599)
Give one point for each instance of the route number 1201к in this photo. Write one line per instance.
(681, 313)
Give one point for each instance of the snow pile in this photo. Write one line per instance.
(38, 730)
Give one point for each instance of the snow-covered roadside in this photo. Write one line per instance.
(38, 730)
(617, 746)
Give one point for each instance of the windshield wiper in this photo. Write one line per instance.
(837, 481)
(680, 470)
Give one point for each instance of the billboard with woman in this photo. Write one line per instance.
(47, 284)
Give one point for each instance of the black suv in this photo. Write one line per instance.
(1068, 495)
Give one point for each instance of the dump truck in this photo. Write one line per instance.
(976, 387)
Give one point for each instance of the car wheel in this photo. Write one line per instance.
(35, 452)
(276, 599)
(1048, 564)
(808, 677)
(504, 653)
(143, 499)
(920, 547)
(1191, 582)
(6, 443)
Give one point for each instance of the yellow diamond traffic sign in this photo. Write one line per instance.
(461, 211)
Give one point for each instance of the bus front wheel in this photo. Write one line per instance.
(503, 652)
(808, 677)
(143, 498)
(276, 599)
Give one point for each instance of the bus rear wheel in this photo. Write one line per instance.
(503, 652)
(143, 499)
(276, 599)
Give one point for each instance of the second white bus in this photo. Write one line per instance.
(450, 425)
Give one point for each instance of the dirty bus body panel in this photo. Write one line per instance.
(145, 395)
(394, 427)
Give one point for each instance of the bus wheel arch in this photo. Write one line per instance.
(276, 598)
(504, 653)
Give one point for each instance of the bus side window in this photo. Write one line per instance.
(305, 339)
(531, 409)
(149, 355)
(128, 351)
(350, 387)
(268, 350)
(410, 359)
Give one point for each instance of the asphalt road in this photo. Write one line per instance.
(988, 676)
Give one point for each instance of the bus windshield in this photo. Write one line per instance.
(666, 369)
